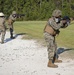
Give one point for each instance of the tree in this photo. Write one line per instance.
(37, 9)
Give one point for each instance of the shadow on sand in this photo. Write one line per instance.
(9, 39)
(19, 34)
(61, 50)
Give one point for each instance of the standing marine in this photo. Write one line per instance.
(2, 27)
(11, 20)
(50, 31)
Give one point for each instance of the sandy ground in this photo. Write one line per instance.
(27, 57)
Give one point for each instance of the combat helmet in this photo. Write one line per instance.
(14, 12)
(56, 13)
(1, 14)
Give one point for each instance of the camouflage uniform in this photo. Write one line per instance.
(50, 39)
(2, 27)
(11, 20)
(50, 31)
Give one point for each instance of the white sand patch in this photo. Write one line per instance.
(26, 57)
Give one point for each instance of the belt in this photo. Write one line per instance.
(49, 33)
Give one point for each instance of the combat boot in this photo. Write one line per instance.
(52, 65)
(57, 61)
(12, 37)
(11, 33)
(1, 42)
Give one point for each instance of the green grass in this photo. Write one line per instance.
(34, 30)
(66, 37)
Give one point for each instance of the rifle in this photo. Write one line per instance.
(20, 15)
(67, 23)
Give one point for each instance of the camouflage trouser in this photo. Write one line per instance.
(11, 30)
(10, 26)
(51, 45)
(3, 32)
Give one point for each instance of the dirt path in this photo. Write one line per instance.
(26, 57)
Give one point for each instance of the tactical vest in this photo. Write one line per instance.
(49, 30)
(10, 22)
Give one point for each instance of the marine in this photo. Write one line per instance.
(2, 27)
(50, 31)
(11, 20)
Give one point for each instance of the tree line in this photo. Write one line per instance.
(37, 9)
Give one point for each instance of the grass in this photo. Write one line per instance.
(66, 37)
(34, 30)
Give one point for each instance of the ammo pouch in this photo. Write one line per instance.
(49, 30)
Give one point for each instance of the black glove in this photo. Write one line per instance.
(67, 21)
(66, 18)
